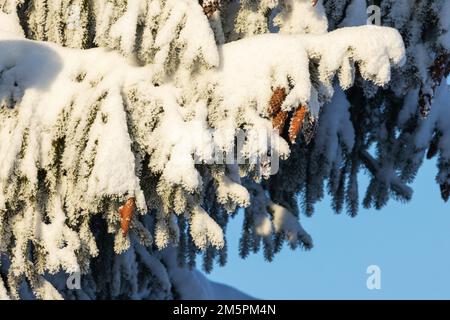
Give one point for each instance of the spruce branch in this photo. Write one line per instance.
(393, 180)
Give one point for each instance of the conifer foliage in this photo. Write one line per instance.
(118, 119)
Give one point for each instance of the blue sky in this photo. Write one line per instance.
(409, 242)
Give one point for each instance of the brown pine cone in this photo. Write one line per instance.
(296, 119)
(279, 121)
(277, 99)
(297, 123)
(314, 2)
(126, 212)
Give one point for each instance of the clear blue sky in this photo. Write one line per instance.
(409, 242)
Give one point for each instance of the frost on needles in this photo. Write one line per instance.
(112, 113)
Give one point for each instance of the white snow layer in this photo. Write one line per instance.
(193, 285)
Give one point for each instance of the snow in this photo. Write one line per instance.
(444, 39)
(58, 240)
(300, 17)
(229, 191)
(125, 27)
(10, 25)
(147, 113)
(113, 170)
(3, 293)
(193, 285)
(42, 73)
(285, 221)
(338, 132)
(373, 48)
(180, 24)
(251, 66)
(205, 231)
(437, 120)
(208, 290)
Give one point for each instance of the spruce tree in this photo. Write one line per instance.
(121, 123)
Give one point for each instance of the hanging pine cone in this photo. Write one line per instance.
(279, 121)
(126, 212)
(314, 2)
(297, 123)
(276, 101)
(297, 118)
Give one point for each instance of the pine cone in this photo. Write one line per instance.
(126, 212)
(276, 101)
(445, 191)
(297, 123)
(279, 121)
(297, 119)
(314, 2)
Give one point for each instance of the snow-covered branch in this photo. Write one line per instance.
(119, 123)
